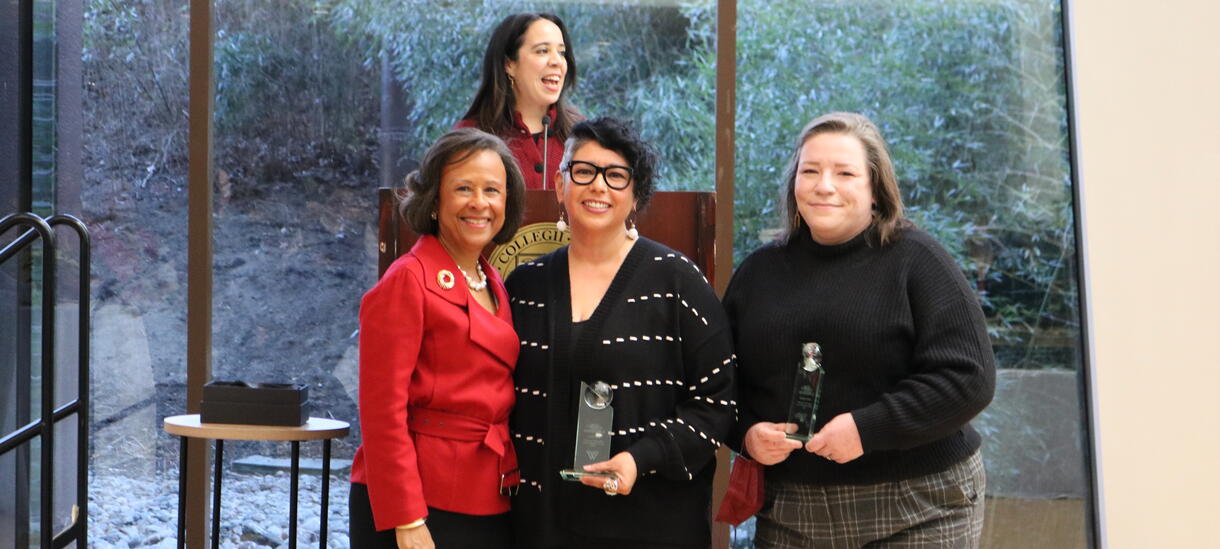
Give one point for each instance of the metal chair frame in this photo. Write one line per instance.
(42, 428)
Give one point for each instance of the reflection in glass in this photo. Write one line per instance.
(23, 288)
(134, 202)
(649, 62)
(317, 104)
(971, 97)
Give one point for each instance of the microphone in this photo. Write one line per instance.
(546, 125)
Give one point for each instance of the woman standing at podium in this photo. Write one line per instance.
(437, 351)
(528, 70)
(620, 309)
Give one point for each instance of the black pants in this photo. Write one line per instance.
(449, 530)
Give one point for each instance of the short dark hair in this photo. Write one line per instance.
(888, 220)
(617, 136)
(423, 186)
(492, 108)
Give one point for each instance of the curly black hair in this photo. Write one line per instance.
(616, 135)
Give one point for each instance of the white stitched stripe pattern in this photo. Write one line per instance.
(715, 371)
(701, 434)
(714, 401)
(669, 295)
(649, 338)
(529, 391)
(647, 383)
(529, 438)
(684, 259)
(533, 483)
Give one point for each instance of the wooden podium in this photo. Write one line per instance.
(682, 220)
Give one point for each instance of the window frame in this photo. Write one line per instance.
(200, 229)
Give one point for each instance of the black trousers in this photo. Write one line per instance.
(449, 530)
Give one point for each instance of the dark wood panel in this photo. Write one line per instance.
(682, 220)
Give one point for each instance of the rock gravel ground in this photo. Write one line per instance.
(130, 512)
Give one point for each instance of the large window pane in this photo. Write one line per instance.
(24, 283)
(308, 96)
(134, 197)
(649, 62)
(970, 96)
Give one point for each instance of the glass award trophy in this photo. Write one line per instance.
(594, 419)
(806, 392)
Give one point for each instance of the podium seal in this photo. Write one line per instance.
(531, 242)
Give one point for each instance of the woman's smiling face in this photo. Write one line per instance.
(834, 194)
(539, 71)
(470, 209)
(597, 207)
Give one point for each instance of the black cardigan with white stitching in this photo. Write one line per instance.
(660, 338)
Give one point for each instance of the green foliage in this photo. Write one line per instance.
(280, 65)
(970, 97)
(627, 57)
(277, 65)
(134, 61)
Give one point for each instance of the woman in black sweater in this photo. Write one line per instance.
(908, 363)
(624, 310)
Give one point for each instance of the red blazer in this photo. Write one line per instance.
(436, 387)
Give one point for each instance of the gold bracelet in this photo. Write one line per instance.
(413, 524)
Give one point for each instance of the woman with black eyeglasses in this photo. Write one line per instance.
(617, 308)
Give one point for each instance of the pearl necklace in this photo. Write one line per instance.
(476, 286)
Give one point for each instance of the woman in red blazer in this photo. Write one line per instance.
(437, 352)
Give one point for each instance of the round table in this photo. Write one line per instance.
(189, 426)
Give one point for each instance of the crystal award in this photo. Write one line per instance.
(594, 420)
(806, 392)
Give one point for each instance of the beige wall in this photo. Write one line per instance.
(1148, 107)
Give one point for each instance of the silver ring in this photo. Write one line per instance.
(611, 487)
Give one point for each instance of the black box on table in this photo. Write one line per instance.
(281, 404)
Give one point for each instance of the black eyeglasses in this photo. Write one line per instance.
(583, 173)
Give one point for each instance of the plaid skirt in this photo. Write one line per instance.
(941, 510)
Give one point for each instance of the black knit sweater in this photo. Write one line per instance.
(660, 337)
(904, 345)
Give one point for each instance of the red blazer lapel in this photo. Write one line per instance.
(440, 271)
(494, 333)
